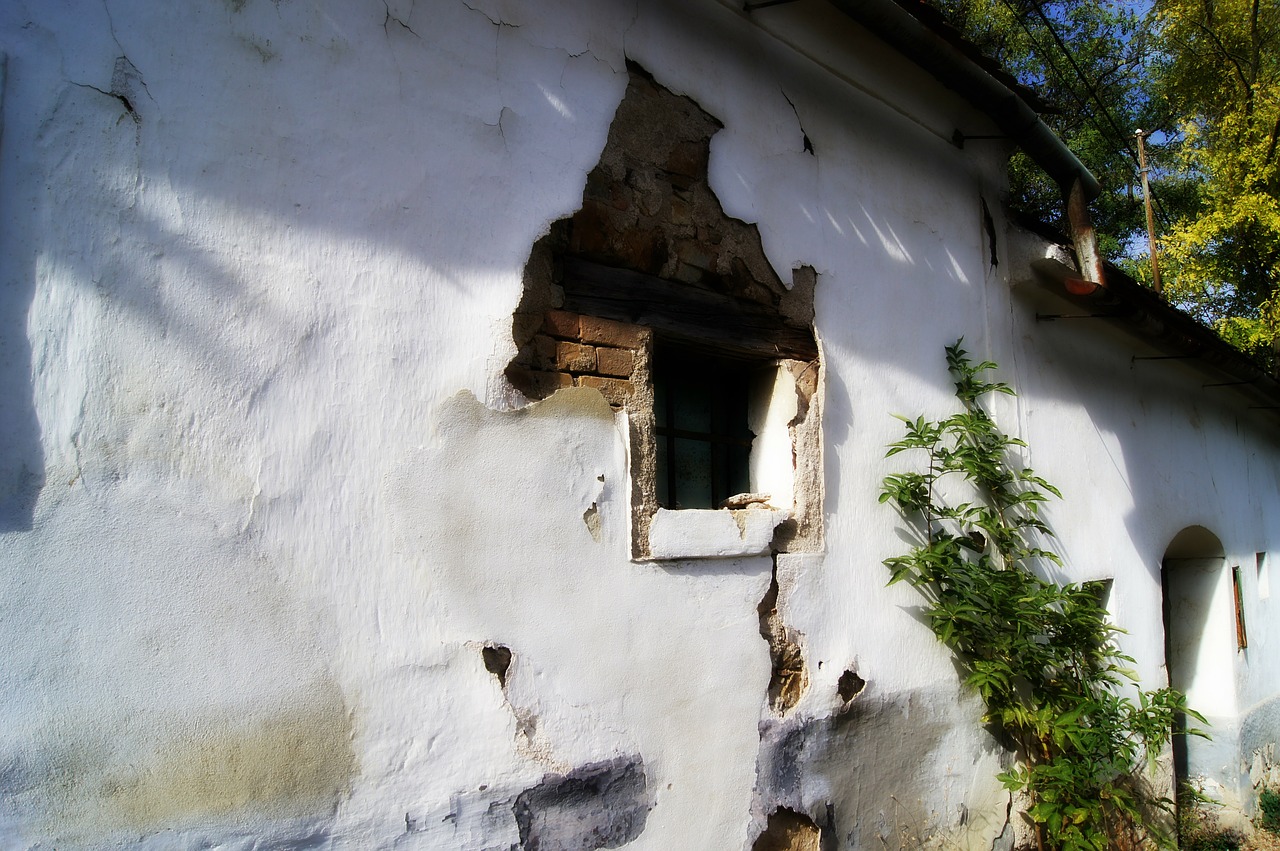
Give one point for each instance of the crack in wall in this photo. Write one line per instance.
(989, 225)
(497, 22)
(126, 82)
(806, 143)
(789, 678)
(128, 105)
(498, 660)
(387, 21)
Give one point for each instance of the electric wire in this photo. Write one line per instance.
(1106, 113)
(1120, 139)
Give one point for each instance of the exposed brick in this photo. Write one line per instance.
(536, 384)
(561, 323)
(614, 390)
(696, 254)
(599, 185)
(621, 199)
(615, 362)
(606, 332)
(524, 356)
(689, 274)
(575, 358)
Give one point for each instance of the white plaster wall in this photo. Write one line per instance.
(287, 498)
(1152, 451)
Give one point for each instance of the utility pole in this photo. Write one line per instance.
(1151, 219)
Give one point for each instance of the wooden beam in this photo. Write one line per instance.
(684, 312)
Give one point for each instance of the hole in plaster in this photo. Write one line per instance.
(592, 518)
(651, 240)
(789, 678)
(850, 685)
(789, 830)
(497, 659)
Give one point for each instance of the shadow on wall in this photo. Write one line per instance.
(21, 457)
(818, 767)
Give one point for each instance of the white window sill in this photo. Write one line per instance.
(699, 533)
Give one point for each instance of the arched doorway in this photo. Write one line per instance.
(1199, 635)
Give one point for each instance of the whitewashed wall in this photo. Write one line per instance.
(265, 496)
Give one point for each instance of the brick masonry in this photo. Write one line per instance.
(648, 208)
(568, 350)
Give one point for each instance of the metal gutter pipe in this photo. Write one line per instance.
(1016, 119)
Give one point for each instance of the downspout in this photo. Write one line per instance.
(1016, 119)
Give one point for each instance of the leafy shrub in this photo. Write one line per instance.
(1040, 654)
(1198, 828)
(1269, 810)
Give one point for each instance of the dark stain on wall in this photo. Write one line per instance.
(855, 774)
(599, 805)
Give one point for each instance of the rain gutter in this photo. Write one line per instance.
(926, 47)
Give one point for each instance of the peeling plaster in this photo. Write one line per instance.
(272, 514)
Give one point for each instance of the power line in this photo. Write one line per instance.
(1120, 137)
(1120, 134)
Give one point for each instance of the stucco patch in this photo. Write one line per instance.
(294, 763)
(277, 773)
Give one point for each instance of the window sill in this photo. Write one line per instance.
(698, 533)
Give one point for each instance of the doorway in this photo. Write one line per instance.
(1199, 641)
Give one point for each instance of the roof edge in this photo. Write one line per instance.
(895, 24)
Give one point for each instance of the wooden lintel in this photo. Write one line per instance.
(683, 311)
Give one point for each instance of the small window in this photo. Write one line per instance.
(1264, 576)
(701, 429)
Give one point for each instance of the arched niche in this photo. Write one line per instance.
(1200, 648)
(1194, 542)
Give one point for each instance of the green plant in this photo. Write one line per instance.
(1040, 654)
(1198, 828)
(1269, 810)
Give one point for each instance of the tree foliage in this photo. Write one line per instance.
(1086, 63)
(1219, 69)
(1203, 78)
(1041, 654)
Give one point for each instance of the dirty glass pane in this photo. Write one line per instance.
(693, 473)
(664, 485)
(692, 404)
(702, 438)
(733, 467)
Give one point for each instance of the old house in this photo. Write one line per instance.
(372, 373)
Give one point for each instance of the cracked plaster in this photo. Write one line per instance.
(241, 331)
